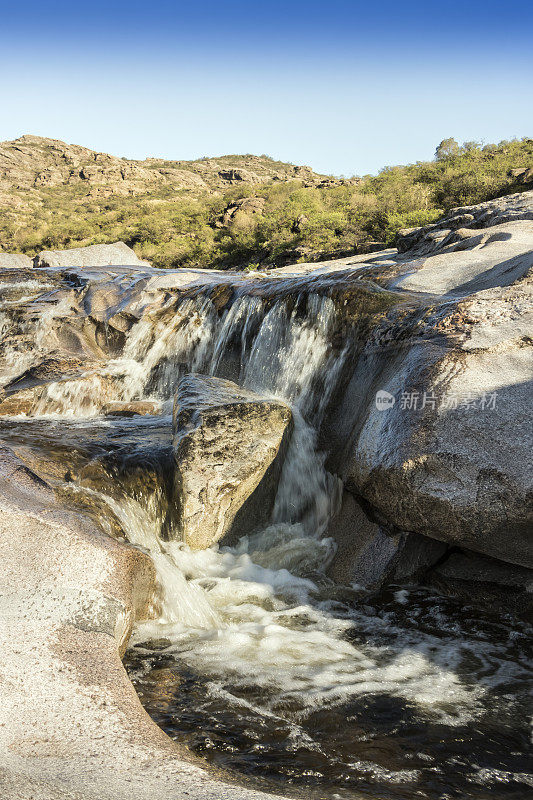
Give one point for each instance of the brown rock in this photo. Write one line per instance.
(18, 403)
(133, 408)
(229, 445)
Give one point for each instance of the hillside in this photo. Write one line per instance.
(234, 210)
(33, 163)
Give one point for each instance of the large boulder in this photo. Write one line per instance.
(450, 455)
(522, 174)
(229, 445)
(96, 255)
(14, 260)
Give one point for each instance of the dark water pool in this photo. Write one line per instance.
(374, 745)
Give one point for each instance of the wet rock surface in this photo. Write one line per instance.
(229, 445)
(134, 408)
(486, 581)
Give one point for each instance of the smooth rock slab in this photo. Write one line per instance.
(458, 466)
(71, 724)
(229, 445)
(96, 255)
(14, 260)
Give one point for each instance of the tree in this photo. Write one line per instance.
(470, 147)
(448, 148)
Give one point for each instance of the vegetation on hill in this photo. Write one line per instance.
(268, 223)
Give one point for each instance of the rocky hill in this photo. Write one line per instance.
(34, 162)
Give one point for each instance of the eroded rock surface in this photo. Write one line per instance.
(135, 408)
(229, 446)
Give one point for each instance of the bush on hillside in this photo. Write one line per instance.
(298, 221)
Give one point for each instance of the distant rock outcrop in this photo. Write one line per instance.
(522, 175)
(16, 260)
(240, 212)
(96, 255)
(33, 162)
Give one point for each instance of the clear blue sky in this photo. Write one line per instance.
(346, 87)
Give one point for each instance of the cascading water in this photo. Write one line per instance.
(256, 658)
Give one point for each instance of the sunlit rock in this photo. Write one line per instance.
(17, 260)
(229, 445)
(133, 408)
(96, 255)
(84, 395)
(451, 456)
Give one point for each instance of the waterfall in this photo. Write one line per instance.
(253, 613)
(33, 334)
(281, 352)
(259, 626)
(284, 351)
(261, 613)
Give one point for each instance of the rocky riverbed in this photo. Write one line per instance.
(305, 495)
